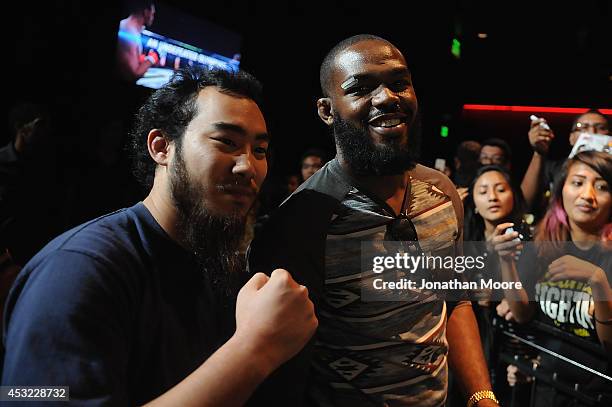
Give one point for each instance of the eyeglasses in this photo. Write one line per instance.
(492, 159)
(597, 127)
(402, 233)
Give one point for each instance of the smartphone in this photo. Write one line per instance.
(523, 230)
(440, 164)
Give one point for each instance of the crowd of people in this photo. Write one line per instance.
(166, 302)
(561, 209)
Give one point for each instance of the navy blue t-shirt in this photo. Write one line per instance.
(114, 309)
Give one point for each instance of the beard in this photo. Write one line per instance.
(366, 158)
(213, 239)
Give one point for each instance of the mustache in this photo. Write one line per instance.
(406, 116)
(239, 187)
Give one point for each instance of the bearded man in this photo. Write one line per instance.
(131, 307)
(372, 348)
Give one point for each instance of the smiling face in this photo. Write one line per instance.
(493, 197)
(373, 89)
(223, 152)
(586, 198)
(371, 106)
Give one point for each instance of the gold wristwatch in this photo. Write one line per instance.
(481, 395)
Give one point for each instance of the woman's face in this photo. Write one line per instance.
(493, 197)
(586, 198)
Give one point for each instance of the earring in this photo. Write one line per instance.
(475, 210)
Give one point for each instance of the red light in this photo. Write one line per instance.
(533, 109)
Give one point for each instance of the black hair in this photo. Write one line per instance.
(591, 111)
(138, 6)
(172, 107)
(316, 152)
(327, 65)
(467, 155)
(497, 142)
(474, 227)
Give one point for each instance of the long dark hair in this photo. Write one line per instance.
(554, 227)
(474, 226)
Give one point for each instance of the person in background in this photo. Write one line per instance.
(492, 199)
(131, 62)
(466, 165)
(496, 151)
(566, 276)
(293, 182)
(28, 173)
(538, 179)
(312, 161)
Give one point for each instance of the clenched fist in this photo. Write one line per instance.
(275, 315)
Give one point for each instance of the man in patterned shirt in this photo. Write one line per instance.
(370, 353)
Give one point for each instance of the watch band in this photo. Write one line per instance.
(480, 395)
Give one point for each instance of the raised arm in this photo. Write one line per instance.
(540, 138)
(507, 246)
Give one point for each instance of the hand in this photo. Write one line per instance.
(463, 192)
(515, 376)
(152, 57)
(540, 137)
(572, 268)
(28, 134)
(507, 246)
(503, 310)
(606, 234)
(275, 316)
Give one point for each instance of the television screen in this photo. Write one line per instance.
(155, 39)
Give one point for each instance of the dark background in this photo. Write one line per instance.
(61, 53)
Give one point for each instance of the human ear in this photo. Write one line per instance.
(325, 110)
(158, 146)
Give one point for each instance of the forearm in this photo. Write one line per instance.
(131, 63)
(465, 354)
(531, 181)
(227, 378)
(518, 300)
(141, 68)
(602, 295)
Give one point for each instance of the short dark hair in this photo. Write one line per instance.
(316, 152)
(172, 107)
(466, 162)
(328, 62)
(591, 111)
(497, 142)
(468, 151)
(138, 6)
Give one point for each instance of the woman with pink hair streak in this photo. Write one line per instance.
(566, 274)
